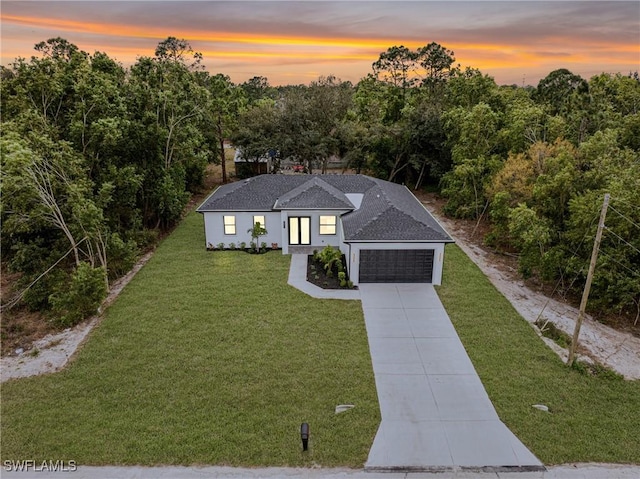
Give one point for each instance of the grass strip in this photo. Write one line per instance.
(593, 418)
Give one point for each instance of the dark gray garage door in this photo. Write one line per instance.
(396, 265)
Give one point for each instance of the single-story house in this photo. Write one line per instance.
(385, 233)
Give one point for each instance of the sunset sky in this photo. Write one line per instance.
(295, 42)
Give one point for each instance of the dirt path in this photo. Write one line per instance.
(52, 352)
(615, 349)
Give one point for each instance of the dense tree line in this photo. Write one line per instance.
(96, 158)
(533, 162)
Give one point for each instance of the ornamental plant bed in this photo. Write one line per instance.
(317, 275)
(251, 248)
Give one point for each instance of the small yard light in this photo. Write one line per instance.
(304, 435)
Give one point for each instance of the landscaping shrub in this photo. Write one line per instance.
(330, 256)
(330, 261)
(86, 291)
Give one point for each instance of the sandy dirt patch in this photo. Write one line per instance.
(51, 353)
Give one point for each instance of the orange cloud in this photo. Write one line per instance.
(75, 26)
(120, 30)
(240, 52)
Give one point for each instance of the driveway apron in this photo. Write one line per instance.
(436, 414)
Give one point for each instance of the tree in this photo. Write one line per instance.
(473, 136)
(531, 234)
(403, 122)
(47, 201)
(396, 66)
(567, 95)
(92, 155)
(389, 150)
(329, 101)
(377, 117)
(525, 123)
(304, 124)
(256, 89)
(469, 87)
(227, 101)
(82, 298)
(256, 133)
(430, 158)
(58, 49)
(355, 143)
(173, 50)
(169, 107)
(558, 88)
(256, 232)
(435, 61)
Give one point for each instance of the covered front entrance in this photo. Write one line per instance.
(396, 266)
(299, 230)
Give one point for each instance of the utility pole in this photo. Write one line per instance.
(587, 286)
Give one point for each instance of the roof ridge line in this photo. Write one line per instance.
(314, 181)
(382, 190)
(420, 204)
(374, 218)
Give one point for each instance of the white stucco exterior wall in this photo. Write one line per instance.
(277, 225)
(317, 240)
(214, 228)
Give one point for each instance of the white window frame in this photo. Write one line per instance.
(229, 223)
(324, 225)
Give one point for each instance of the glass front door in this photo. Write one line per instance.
(299, 230)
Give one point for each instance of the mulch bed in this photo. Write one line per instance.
(316, 275)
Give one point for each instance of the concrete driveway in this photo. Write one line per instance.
(436, 414)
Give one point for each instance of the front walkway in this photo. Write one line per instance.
(298, 279)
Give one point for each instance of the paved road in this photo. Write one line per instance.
(580, 471)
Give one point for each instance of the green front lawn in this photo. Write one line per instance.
(591, 419)
(210, 358)
(205, 358)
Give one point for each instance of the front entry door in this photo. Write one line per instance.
(299, 230)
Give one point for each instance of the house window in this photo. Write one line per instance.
(229, 225)
(327, 225)
(259, 219)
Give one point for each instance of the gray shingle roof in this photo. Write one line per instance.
(388, 212)
(315, 193)
(254, 194)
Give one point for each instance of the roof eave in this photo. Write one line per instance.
(430, 214)
(199, 208)
(285, 208)
(346, 240)
(236, 210)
